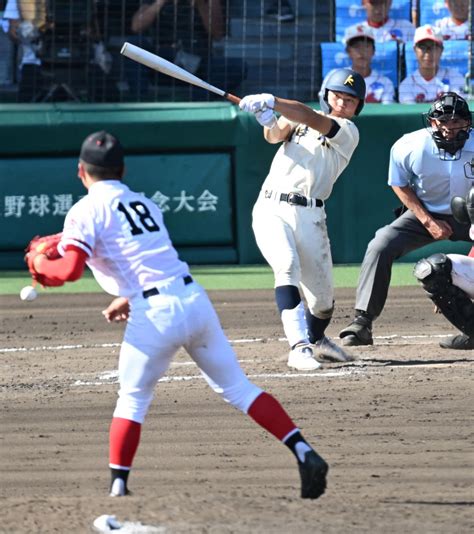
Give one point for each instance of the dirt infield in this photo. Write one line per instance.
(395, 427)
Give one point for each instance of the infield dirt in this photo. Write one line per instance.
(395, 426)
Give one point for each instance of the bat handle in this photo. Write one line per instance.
(232, 98)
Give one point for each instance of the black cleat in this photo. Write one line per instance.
(358, 333)
(459, 342)
(313, 473)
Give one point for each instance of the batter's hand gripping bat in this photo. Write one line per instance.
(166, 67)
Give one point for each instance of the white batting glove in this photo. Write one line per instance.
(266, 118)
(260, 102)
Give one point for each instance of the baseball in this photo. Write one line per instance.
(28, 293)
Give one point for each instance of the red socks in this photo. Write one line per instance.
(269, 414)
(124, 437)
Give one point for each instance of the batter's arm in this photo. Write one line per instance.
(437, 228)
(301, 113)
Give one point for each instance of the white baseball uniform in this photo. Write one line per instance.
(453, 31)
(131, 255)
(393, 30)
(379, 89)
(415, 89)
(293, 238)
(462, 273)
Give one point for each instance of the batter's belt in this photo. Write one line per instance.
(295, 199)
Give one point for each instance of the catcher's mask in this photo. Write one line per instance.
(447, 107)
(345, 81)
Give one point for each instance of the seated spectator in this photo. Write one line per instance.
(184, 33)
(456, 26)
(360, 47)
(281, 10)
(385, 28)
(430, 80)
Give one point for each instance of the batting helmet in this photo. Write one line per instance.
(447, 107)
(345, 81)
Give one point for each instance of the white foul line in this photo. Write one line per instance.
(233, 342)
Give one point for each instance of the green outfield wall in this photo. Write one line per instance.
(203, 164)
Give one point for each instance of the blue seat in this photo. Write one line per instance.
(349, 12)
(455, 55)
(385, 61)
(432, 10)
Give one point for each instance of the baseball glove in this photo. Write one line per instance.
(47, 245)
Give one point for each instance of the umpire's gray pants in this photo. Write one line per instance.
(406, 233)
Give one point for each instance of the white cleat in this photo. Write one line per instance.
(326, 348)
(302, 358)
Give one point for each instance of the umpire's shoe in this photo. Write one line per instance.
(359, 332)
(313, 473)
(459, 342)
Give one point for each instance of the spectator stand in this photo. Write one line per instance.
(385, 60)
(456, 54)
(281, 57)
(429, 11)
(349, 12)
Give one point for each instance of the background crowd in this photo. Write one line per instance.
(407, 50)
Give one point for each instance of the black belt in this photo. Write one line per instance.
(155, 291)
(300, 200)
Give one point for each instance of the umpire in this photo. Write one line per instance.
(425, 172)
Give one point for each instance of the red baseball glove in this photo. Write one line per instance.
(47, 245)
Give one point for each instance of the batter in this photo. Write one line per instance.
(289, 220)
(121, 236)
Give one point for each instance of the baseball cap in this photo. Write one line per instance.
(357, 31)
(428, 33)
(102, 149)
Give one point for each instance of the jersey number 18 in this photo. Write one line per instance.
(144, 216)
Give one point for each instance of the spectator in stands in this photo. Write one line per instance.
(360, 47)
(24, 29)
(281, 10)
(456, 26)
(184, 32)
(430, 80)
(384, 27)
(30, 25)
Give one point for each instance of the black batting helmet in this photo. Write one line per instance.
(345, 81)
(447, 107)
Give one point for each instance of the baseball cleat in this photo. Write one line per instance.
(327, 349)
(459, 342)
(302, 358)
(313, 473)
(358, 333)
(118, 488)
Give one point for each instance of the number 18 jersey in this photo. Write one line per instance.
(123, 234)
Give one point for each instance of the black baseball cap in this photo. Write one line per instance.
(102, 149)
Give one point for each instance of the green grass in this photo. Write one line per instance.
(213, 277)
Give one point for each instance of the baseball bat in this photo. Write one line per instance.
(166, 67)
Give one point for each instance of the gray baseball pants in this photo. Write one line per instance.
(391, 242)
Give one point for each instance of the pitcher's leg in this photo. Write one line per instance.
(217, 360)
